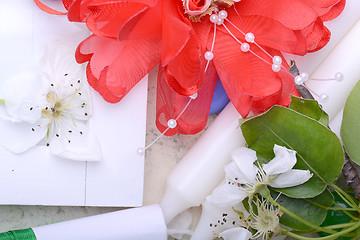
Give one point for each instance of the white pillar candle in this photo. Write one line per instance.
(131, 224)
(201, 169)
(344, 58)
(335, 123)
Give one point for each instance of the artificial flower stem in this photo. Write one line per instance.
(345, 196)
(266, 194)
(2, 101)
(330, 237)
(337, 226)
(340, 209)
(345, 210)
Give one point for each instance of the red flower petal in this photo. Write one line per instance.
(334, 11)
(176, 31)
(146, 24)
(317, 35)
(268, 32)
(119, 65)
(169, 105)
(293, 14)
(243, 71)
(187, 68)
(106, 21)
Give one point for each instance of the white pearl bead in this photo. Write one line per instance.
(249, 37)
(236, 0)
(339, 76)
(276, 67)
(324, 98)
(245, 47)
(141, 151)
(214, 18)
(223, 14)
(299, 80)
(209, 55)
(277, 60)
(220, 21)
(172, 123)
(304, 76)
(194, 96)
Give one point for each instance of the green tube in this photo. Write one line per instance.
(23, 234)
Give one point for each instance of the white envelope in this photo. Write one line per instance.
(38, 178)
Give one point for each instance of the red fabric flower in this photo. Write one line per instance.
(131, 37)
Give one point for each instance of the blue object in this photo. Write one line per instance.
(220, 98)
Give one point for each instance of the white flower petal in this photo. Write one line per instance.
(209, 220)
(59, 64)
(232, 171)
(25, 97)
(75, 143)
(237, 233)
(244, 159)
(291, 178)
(19, 137)
(284, 160)
(226, 195)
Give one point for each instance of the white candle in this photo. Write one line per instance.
(344, 58)
(335, 123)
(131, 224)
(201, 169)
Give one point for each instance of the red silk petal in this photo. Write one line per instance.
(323, 41)
(47, 9)
(293, 14)
(321, 3)
(118, 65)
(132, 64)
(176, 31)
(169, 105)
(260, 105)
(144, 25)
(334, 12)
(187, 68)
(243, 71)
(76, 13)
(106, 20)
(317, 35)
(269, 33)
(204, 32)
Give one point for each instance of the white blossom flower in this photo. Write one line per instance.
(237, 233)
(50, 109)
(244, 179)
(266, 221)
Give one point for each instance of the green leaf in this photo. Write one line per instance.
(350, 127)
(318, 149)
(309, 108)
(312, 210)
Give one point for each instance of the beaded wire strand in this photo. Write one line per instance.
(218, 19)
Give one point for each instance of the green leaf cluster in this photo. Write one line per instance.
(303, 128)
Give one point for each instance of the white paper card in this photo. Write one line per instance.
(38, 178)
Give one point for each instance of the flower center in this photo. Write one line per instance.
(196, 9)
(55, 108)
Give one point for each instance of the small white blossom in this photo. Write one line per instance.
(50, 109)
(237, 233)
(266, 221)
(244, 179)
